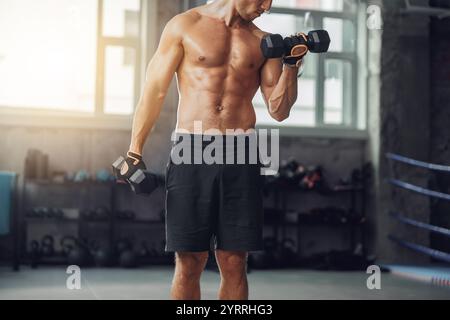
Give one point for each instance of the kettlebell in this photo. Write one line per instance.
(122, 245)
(272, 254)
(47, 249)
(127, 258)
(34, 253)
(102, 255)
(288, 255)
(144, 252)
(101, 213)
(76, 251)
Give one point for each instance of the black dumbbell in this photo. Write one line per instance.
(274, 46)
(141, 182)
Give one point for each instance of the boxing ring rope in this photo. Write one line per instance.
(411, 187)
(422, 164)
(419, 224)
(439, 255)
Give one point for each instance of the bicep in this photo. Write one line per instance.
(270, 74)
(166, 59)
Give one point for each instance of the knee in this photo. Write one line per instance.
(232, 264)
(190, 265)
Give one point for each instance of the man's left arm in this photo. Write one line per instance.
(279, 87)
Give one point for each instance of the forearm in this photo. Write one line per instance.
(146, 114)
(284, 94)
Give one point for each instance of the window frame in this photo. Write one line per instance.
(352, 124)
(25, 116)
(30, 116)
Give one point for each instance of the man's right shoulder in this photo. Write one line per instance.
(184, 20)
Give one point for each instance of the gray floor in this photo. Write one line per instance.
(154, 283)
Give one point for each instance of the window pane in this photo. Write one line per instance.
(121, 18)
(338, 91)
(297, 117)
(342, 33)
(303, 111)
(284, 24)
(48, 54)
(119, 80)
(323, 5)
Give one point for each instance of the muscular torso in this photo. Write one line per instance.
(219, 74)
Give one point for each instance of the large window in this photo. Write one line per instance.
(327, 89)
(80, 56)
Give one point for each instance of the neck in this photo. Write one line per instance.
(225, 10)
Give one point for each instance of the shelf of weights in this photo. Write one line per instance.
(152, 256)
(280, 217)
(51, 208)
(50, 205)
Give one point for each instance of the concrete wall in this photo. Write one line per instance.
(440, 120)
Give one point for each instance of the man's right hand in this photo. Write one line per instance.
(298, 49)
(133, 162)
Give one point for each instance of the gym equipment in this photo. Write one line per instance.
(288, 255)
(127, 258)
(153, 251)
(436, 254)
(439, 255)
(101, 213)
(426, 226)
(414, 188)
(141, 181)
(330, 215)
(126, 215)
(269, 258)
(103, 175)
(81, 175)
(144, 252)
(122, 245)
(57, 213)
(103, 256)
(87, 214)
(422, 164)
(312, 179)
(47, 246)
(291, 172)
(274, 46)
(36, 165)
(77, 251)
(40, 212)
(35, 254)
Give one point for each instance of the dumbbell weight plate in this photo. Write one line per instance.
(117, 165)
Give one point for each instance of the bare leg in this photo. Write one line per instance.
(186, 280)
(233, 272)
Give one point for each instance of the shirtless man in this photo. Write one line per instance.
(215, 52)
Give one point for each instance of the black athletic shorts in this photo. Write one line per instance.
(214, 206)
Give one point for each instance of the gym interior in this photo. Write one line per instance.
(359, 208)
